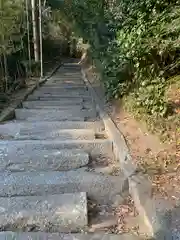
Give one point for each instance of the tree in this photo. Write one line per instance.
(35, 31)
(11, 29)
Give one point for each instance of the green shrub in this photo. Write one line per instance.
(134, 44)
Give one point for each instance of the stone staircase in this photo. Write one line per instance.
(51, 161)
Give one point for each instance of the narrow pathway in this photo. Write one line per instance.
(55, 180)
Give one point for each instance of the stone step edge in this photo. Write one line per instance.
(54, 160)
(105, 189)
(53, 114)
(59, 212)
(63, 134)
(95, 148)
(61, 236)
(97, 126)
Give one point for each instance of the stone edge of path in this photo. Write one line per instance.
(155, 212)
(61, 236)
(8, 113)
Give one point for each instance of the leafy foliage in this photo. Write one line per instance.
(11, 26)
(135, 45)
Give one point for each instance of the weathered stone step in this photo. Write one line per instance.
(63, 83)
(23, 115)
(93, 147)
(64, 213)
(63, 101)
(44, 160)
(70, 70)
(71, 64)
(62, 77)
(60, 236)
(61, 90)
(64, 134)
(65, 79)
(61, 86)
(56, 97)
(70, 74)
(72, 67)
(53, 114)
(55, 104)
(21, 127)
(66, 82)
(104, 189)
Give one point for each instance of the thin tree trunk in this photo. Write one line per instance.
(28, 35)
(40, 37)
(2, 74)
(35, 35)
(5, 72)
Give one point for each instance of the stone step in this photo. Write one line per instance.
(21, 127)
(70, 74)
(61, 86)
(70, 70)
(44, 160)
(72, 67)
(64, 213)
(53, 114)
(62, 77)
(22, 115)
(63, 101)
(93, 147)
(66, 79)
(64, 134)
(62, 236)
(61, 90)
(65, 97)
(63, 83)
(55, 104)
(104, 189)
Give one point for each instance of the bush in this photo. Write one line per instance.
(134, 44)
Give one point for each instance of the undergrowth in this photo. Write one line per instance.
(135, 45)
(166, 127)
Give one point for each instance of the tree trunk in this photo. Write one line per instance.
(28, 35)
(40, 37)
(35, 35)
(5, 72)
